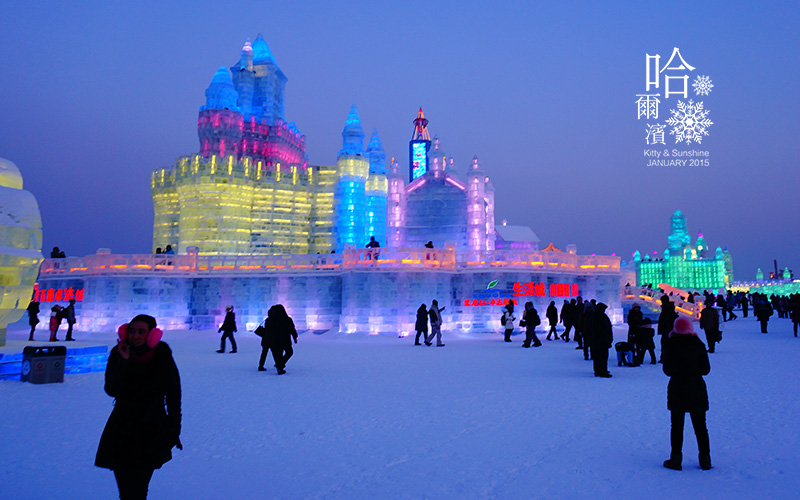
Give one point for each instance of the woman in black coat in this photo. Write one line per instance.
(686, 362)
(146, 421)
(227, 329)
(421, 325)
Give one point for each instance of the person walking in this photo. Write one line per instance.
(602, 338)
(763, 312)
(435, 315)
(745, 305)
(552, 318)
(794, 311)
(530, 318)
(709, 323)
(33, 317)
(227, 329)
(280, 332)
(565, 319)
(507, 320)
(645, 343)
(421, 325)
(685, 363)
(587, 328)
(635, 318)
(68, 313)
(577, 313)
(145, 423)
(730, 303)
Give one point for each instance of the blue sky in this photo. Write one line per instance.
(98, 94)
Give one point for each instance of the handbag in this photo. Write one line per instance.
(260, 331)
(522, 322)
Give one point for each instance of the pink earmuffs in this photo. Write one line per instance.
(153, 337)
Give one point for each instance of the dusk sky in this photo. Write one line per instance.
(95, 95)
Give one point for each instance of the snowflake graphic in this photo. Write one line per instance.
(689, 122)
(702, 85)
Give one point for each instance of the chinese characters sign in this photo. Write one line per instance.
(501, 298)
(667, 86)
(57, 294)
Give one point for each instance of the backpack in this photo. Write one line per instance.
(503, 319)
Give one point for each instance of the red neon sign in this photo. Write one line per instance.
(488, 302)
(538, 290)
(57, 294)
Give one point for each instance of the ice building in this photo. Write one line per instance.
(685, 265)
(255, 224)
(250, 189)
(437, 206)
(20, 245)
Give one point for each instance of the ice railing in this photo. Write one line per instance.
(370, 258)
(637, 293)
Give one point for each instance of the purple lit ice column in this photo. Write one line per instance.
(376, 190)
(480, 209)
(350, 196)
(395, 206)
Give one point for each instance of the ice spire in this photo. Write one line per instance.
(353, 134)
(421, 128)
(221, 94)
(246, 59)
(377, 157)
(261, 52)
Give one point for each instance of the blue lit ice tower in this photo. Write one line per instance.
(376, 190)
(418, 147)
(351, 199)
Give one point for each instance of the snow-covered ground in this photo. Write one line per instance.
(376, 417)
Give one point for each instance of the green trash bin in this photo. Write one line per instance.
(43, 365)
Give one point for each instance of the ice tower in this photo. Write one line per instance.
(437, 206)
(376, 190)
(351, 198)
(418, 147)
(20, 245)
(249, 190)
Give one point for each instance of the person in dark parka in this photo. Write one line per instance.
(68, 314)
(665, 320)
(635, 318)
(566, 316)
(227, 329)
(602, 337)
(709, 322)
(552, 318)
(763, 311)
(280, 332)
(33, 317)
(146, 421)
(644, 342)
(531, 317)
(686, 362)
(421, 325)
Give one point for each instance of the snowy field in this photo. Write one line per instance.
(378, 418)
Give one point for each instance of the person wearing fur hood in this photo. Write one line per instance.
(686, 362)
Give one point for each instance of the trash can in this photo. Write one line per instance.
(43, 365)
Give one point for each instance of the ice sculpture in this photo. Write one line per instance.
(20, 245)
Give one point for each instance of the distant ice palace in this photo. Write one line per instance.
(254, 223)
(684, 265)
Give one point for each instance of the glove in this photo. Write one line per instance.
(178, 443)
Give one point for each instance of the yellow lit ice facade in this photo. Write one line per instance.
(227, 206)
(20, 245)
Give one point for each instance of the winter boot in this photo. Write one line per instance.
(674, 462)
(705, 461)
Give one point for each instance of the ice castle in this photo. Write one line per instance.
(254, 223)
(685, 265)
